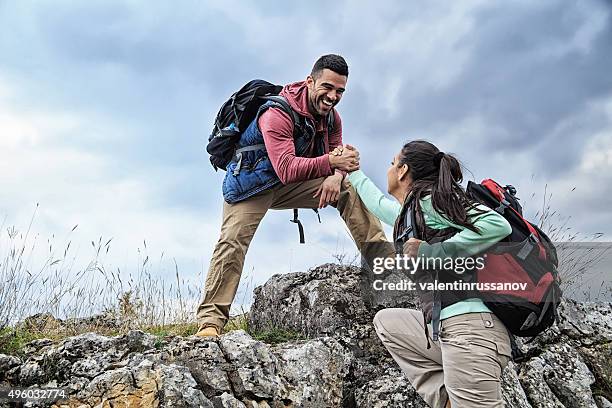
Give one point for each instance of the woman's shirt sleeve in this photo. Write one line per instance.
(492, 228)
(385, 209)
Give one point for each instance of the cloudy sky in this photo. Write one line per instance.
(105, 107)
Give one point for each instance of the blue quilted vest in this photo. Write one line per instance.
(251, 172)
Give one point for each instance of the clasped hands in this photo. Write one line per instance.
(345, 158)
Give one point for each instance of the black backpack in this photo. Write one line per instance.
(236, 114)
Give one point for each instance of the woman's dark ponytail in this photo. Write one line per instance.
(437, 174)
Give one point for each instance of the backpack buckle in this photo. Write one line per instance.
(407, 231)
(511, 190)
(525, 250)
(238, 164)
(502, 206)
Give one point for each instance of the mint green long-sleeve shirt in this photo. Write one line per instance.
(492, 228)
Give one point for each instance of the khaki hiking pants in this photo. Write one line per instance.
(240, 221)
(465, 366)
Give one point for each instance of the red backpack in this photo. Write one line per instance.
(526, 256)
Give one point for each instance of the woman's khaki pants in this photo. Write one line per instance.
(464, 367)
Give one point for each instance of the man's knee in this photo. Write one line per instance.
(228, 255)
(347, 187)
(227, 245)
(238, 234)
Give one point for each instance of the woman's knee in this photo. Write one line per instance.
(379, 318)
(398, 320)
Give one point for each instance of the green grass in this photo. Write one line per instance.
(277, 336)
(240, 322)
(12, 340)
(270, 336)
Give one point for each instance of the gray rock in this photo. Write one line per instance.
(535, 386)
(85, 355)
(341, 364)
(391, 389)
(599, 360)
(514, 395)
(146, 384)
(205, 361)
(328, 300)
(557, 372)
(315, 371)
(87, 367)
(254, 367)
(603, 402)
(7, 363)
(583, 324)
(41, 322)
(226, 400)
(568, 376)
(316, 303)
(108, 320)
(558, 378)
(37, 346)
(588, 322)
(134, 340)
(31, 373)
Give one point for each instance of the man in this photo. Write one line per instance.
(295, 170)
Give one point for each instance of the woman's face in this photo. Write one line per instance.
(398, 179)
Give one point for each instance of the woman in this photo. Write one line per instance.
(464, 367)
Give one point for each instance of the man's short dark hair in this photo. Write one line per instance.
(330, 61)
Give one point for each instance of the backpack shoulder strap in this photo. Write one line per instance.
(331, 121)
(285, 106)
(405, 226)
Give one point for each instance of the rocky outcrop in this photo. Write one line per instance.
(138, 370)
(567, 366)
(326, 301)
(340, 363)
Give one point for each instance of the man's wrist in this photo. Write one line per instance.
(331, 158)
(338, 172)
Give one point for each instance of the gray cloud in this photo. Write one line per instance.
(527, 69)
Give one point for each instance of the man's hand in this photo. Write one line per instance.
(337, 151)
(345, 158)
(411, 247)
(329, 190)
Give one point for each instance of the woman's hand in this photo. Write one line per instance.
(411, 247)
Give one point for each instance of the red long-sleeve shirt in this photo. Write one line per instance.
(277, 129)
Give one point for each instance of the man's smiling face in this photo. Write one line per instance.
(324, 91)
